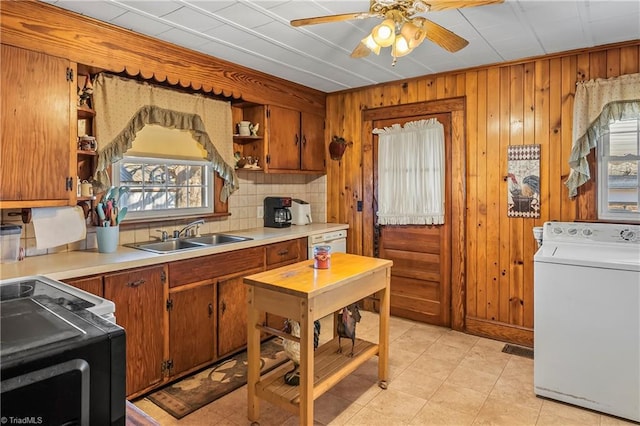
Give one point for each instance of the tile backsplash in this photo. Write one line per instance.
(243, 206)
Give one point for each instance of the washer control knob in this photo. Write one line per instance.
(557, 230)
(628, 235)
(587, 232)
(572, 231)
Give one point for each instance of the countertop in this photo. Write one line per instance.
(81, 263)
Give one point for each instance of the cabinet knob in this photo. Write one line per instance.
(210, 309)
(223, 306)
(304, 140)
(297, 139)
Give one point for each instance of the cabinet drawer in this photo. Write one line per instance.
(286, 252)
(217, 265)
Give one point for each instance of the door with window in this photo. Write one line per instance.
(421, 254)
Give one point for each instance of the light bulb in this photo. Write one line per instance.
(400, 47)
(384, 34)
(371, 44)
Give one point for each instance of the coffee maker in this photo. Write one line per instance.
(276, 212)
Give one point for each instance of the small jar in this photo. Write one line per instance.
(322, 257)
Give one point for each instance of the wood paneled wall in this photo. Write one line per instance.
(517, 103)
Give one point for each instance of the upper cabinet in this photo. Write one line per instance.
(296, 141)
(287, 140)
(38, 112)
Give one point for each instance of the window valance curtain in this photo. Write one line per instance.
(411, 173)
(123, 107)
(596, 104)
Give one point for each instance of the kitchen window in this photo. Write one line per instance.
(619, 160)
(163, 187)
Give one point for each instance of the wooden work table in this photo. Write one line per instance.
(304, 294)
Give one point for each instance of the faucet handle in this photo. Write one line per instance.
(164, 235)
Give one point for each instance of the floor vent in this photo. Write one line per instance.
(518, 350)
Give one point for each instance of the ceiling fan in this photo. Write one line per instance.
(401, 29)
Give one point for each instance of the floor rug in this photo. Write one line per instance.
(518, 350)
(199, 389)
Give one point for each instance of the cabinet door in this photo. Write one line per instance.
(36, 148)
(91, 285)
(192, 327)
(139, 296)
(312, 157)
(284, 139)
(232, 315)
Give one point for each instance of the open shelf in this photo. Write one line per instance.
(85, 112)
(246, 139)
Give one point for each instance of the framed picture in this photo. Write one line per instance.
(523, 181)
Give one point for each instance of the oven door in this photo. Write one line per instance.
(59, 368)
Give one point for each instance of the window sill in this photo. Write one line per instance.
(136, 222)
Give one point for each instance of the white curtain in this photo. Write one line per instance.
(597, 103)
(411, 173)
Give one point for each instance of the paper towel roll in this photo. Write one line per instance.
(55, 226)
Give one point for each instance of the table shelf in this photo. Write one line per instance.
(329, 368)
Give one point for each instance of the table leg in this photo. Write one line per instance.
(306, 364)
(253, 358)
(383, 348)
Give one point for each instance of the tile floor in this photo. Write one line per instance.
(437, 377)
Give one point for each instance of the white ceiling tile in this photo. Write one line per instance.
(139, 23)
(96, 9)
(192, 19)
(184, 38)
(155, 8)
(244, 15)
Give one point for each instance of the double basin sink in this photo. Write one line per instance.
(188, 243)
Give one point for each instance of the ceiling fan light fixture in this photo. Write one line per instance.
(413, 34)
(384, 34)
(371, 44)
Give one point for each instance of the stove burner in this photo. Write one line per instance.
(16, 290)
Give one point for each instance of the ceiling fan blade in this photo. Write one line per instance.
(330, 18)
(441, 36)
(360, 51)
(436, 5)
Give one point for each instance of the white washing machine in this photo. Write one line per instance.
(587, 316)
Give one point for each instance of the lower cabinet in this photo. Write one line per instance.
(140, 299)
(232, 315)
(192, 326)
(181, 316)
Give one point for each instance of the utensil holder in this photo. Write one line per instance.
(108, 238)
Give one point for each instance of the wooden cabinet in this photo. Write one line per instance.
(296, 141)
(232, 315)
(140, 299)
(93, 285)
(288, 140)
(38, 111)
(226, 270)
(192, 327)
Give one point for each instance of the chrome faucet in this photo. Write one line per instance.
(183, 231)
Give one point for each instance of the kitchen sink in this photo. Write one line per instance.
(192, 243)
(216, 239)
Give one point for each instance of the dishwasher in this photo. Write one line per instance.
(337, 240)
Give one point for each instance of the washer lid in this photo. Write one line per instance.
(608, 256)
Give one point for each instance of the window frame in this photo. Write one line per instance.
(603, 212)
(210, 192)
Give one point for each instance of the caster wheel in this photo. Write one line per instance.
(382, 384)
